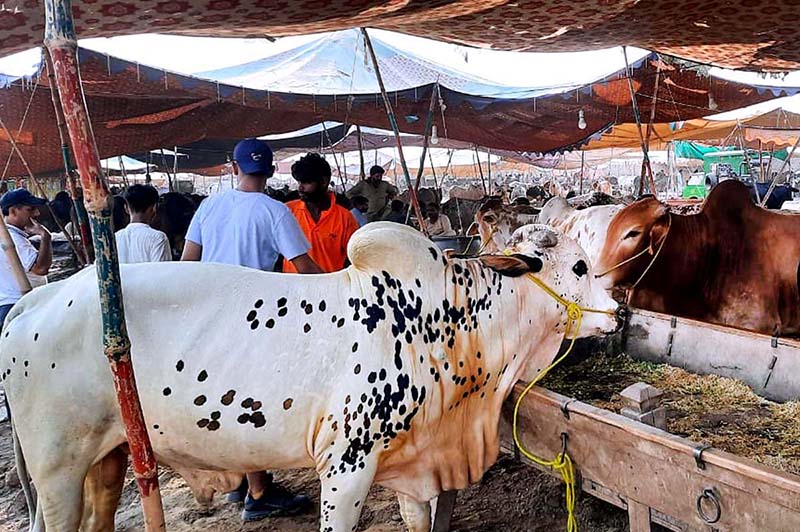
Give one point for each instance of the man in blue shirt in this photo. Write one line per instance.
(246, 227)
(360, 207)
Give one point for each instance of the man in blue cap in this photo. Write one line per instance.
(20, 210)
(246, 227)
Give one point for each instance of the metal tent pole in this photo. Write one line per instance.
(61, 41)
(396, 130)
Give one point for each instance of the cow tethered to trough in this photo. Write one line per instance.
(418, 354)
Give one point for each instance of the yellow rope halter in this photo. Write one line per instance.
(562, 462)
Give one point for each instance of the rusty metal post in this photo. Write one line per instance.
(61, 41)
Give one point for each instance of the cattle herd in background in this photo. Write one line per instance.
(719, 260)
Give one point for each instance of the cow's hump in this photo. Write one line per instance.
(556, 208)
(395, 248)
(729, 197)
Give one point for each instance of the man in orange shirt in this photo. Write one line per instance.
(327, 225)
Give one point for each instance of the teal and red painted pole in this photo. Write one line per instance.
(61, 42)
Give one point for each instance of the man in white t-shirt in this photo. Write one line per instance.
(20, 210)
(246, 227)
(138, 242)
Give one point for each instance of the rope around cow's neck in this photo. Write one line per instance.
(631, 259)
(562, 462)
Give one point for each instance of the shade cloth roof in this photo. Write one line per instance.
(734, 33)
(338, 63)
(776, 129)
(136, 108)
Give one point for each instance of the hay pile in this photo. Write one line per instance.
(722, 412)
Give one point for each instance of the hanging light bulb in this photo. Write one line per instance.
(434, 135)
(581, 120)
(712, 103)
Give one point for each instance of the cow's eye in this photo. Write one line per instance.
(632, 234)
(489, 219)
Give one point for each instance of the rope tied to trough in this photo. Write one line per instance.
(562, 462)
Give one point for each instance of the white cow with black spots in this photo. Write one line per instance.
(391, 371)
(588, 227)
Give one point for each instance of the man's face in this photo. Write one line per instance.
(314, 191)
(24, 214)
(376, 177)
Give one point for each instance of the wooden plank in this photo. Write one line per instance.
(770, 366)
(654, 468)
(639, 516)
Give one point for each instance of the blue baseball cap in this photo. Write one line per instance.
(19, 196)
(253, 156)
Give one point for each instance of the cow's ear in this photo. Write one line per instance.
(658, 232)
(512, 265)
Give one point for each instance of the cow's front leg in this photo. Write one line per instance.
(416, 515)
(343, 497)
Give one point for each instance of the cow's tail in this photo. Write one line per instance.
(22, 471)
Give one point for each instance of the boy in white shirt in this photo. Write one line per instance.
(139, 242)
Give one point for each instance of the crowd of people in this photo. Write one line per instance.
(244, 227)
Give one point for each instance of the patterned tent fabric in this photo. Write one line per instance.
(777, 128)
(136, 108)
(748, 34)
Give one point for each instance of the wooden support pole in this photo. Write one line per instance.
(638, 118)
(426, 138)
(61, 41)
(166, 170)
(342, 177)
(81, 217)
(363, 175)
(639, 516)
(580, 187)
(489, 168)
(783, 166)
(480, 170)
(443, 511)
(174, 170)
(42, 193)
(650, 131)
(396, 130)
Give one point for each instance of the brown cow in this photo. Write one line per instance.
(733, 263)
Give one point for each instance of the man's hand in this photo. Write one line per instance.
(44, 259)
(305, 264)
(35, 228)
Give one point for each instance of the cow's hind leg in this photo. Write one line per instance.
(102, 490)
(416, 515)
(343, 497)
